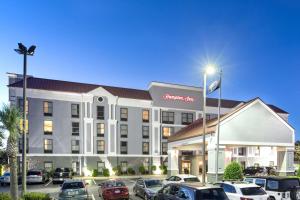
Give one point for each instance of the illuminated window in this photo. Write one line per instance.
(75, 128)
(186, 118)
(100, 129)
(48, 145)
(145, 131)
(124, 114)
(164, 148)
(145, 147)
(75, 110)
(48, 108)
(145, 116)
(100, 146)
(75, 146)
(124, 130)
(167, 117)
(21, 126)
(167, 131)
(48, 127)
(100, 112)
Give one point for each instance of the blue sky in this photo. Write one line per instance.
(132, 42)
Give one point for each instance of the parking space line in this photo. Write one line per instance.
(48, 183)
(93, 195)
(94, 181)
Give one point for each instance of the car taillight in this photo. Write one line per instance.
(243, 198)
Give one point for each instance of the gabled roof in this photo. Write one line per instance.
(196, 128)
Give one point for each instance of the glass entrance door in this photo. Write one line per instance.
(185, 166)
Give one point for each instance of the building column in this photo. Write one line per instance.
(196, 159)
(285, 161)
(172, 162)
(211, 171)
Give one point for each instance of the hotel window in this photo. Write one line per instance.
(167, 131)
(242, 151)
(48, 127)
(145, 147)
(123, 147)
(145, 116)
(164, 149)
(21, 145)
(124, 130)
(21, 107)
(256, 151)
(75, 167)
(124, 114)
(100, 112)
(167, 117)
(75, 146)
(186, 118)
(48, 146)
(48, 166)
(100, 146)
(100, 129)
(75, 110)
(100, 167)
(124, 166)
(21, 126)
(145, 132)
(75, 128)
(48, 108)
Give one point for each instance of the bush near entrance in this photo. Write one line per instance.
(27, 196)
(142, 169)
(106, 172)
(233, 171)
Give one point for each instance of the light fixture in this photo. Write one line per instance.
(210, 69)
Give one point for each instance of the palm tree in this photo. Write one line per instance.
(10, 119)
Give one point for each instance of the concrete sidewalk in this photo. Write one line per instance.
(160, 177)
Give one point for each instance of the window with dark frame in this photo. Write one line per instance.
(164, 148)
(48, 127)
(145, 115)
(145, 130)
(124, 130)
(100, 146)
(48, 108)
(123, 148)
(75, 128)
(75, 110)
(21, 145)
(167, 131)
(145, 147)
(100, 129)
(187, 118)
(242, 151)
(48, 146)
(75, 146)
(100, 167)
(124, 114)
(100, 112)
(168, 117)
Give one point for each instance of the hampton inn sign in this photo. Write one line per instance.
(171, 97)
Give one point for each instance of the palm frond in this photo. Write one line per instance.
(10, 118)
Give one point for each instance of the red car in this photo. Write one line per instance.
(113, 189)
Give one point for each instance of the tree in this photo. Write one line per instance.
(233, 171)
(297, 151)
(10, 119)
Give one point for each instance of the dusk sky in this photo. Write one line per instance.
(130, 43)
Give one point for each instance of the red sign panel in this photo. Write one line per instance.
(171, 97)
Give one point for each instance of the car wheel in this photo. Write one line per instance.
(272, 198)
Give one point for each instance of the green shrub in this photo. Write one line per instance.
(106, 172)
(153, 168)
(95, 173)
(131, 171)
(164, 169)
(298, 172)
(36, 196)
(142, 169)
(233, 171)
(4, 196)
(117, 170)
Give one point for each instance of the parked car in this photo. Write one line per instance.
(5, 179)
(243, 191)
(190, 191)
(278, 188)
(73, 189)
(37, 176)
(146, 188)
(62, 174)
(180, 178)
(113, 189)
(259, 171)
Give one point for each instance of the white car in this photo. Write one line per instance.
(243, 191)
(181, 178)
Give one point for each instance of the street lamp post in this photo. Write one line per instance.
(218, 126)
(24, 51)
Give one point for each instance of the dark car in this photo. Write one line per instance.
(113, 189)
(146, 188)
(178, 191)
(259, 171)
(278, 188)
(73, 189)
(61, 174)
(37, 176)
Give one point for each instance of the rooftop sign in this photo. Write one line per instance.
(171, 97)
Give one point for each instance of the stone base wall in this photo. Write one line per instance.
(211, 177)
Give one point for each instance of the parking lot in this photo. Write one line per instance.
(53, 189)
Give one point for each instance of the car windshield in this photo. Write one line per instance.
(192, 179)
(153, 183)
(252, 191)
(211, 194)
(72, 185)
(37, 173)
(114, 184)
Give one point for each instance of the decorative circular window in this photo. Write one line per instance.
(100, 99)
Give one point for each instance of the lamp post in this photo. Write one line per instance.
(209, 69)
(218, 126)
(24, 51)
